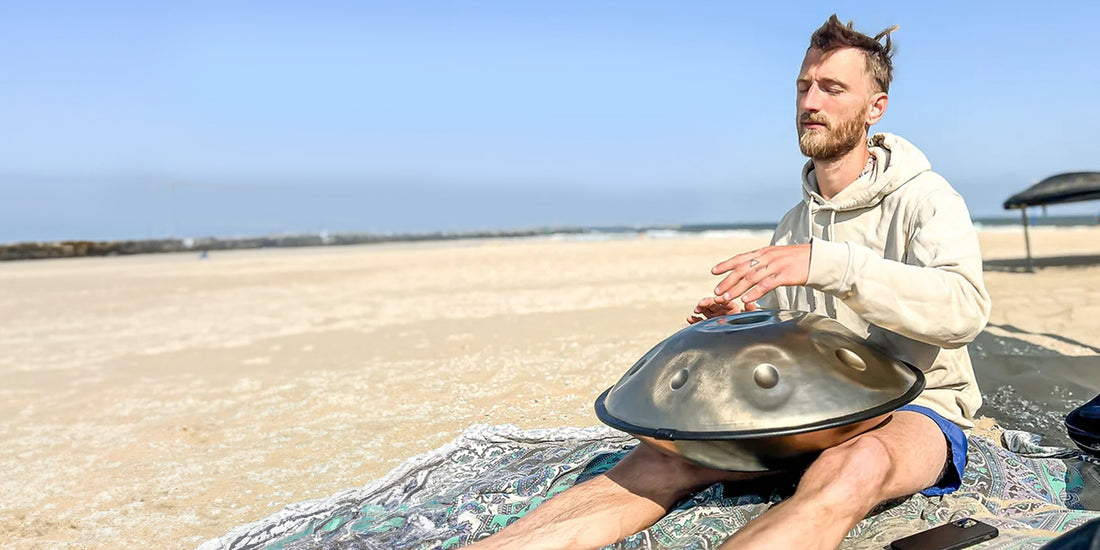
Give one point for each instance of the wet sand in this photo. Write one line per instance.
(158, 401)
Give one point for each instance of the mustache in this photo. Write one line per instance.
(813, 118)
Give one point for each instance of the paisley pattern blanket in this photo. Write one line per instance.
(491, 475)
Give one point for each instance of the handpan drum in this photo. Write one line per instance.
(758, 391)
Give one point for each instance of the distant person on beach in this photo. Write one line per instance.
(880, 243)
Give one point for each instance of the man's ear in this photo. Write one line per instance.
(877, 108)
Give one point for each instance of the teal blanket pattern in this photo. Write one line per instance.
(491, 475)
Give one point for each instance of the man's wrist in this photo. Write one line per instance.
(828, 265)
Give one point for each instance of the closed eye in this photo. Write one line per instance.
(833, 86)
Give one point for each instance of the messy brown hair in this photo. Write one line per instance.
(834, 35)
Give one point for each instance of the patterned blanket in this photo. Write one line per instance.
(491, 475)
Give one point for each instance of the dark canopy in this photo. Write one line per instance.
(1071, 187)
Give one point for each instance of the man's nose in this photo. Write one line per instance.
(810, 100)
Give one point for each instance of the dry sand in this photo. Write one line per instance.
(158, 401)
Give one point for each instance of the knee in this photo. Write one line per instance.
(855, 473)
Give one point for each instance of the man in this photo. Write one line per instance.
(882, 244)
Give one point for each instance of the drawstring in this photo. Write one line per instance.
(827, 233)
(810, 230)
(830, 300)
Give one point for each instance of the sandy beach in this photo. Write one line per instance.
(158, 401)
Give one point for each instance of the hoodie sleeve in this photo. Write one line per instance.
(937, 295)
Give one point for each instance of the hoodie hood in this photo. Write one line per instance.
(896, 162)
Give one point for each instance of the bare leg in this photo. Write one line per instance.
(630, 497)
(842, 486)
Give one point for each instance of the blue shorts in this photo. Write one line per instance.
(956, 452)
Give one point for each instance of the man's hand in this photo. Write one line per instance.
(754, 274)
(710, 308)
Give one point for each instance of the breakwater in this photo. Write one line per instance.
(78, 249)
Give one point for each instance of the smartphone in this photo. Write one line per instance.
(949, 536)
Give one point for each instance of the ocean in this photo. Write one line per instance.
(50, 211)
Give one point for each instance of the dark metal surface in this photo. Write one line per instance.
(758, 390)
(1083, 426)
(1061, 188)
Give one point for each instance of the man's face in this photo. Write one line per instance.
(834, 93)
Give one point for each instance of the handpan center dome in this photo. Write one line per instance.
(757, 378)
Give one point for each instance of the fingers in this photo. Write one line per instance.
(790, 266)
(712, 306)
(777, 275)
(734, 262)
(718, 310)
(763, 287)
(707, 309)
(751, 275)
(705, 302)
(746, 275)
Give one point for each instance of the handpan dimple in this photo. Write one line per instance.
(851, 358)
(679, 379)
(765, 375)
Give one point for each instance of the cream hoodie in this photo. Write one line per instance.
(895, 258)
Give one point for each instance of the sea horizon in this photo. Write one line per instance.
(64, 248)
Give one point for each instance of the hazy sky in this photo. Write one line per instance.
(136, 119)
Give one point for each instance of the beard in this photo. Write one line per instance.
(832, 141)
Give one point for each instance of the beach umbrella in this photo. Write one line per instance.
(1061, 188)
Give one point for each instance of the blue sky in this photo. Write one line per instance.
(150, 119)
